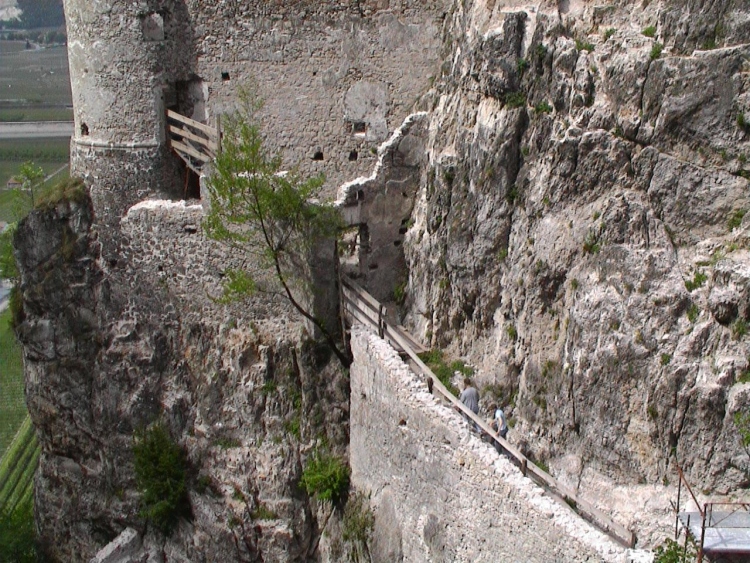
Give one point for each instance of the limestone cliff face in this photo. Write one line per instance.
(113, 347)
(578, 234)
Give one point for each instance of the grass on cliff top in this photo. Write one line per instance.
(12, 403)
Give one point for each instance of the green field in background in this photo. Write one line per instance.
(12, 403)
(49, 154)
(34, 76)
(22, 113)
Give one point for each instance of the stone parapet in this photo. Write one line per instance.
(441, 494)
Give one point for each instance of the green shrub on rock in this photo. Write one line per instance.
(656, 51)
(160, 473)
(325, 477)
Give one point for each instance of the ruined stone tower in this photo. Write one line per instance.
(336, 80)
(123, 56)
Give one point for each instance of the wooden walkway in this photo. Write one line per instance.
(194, 142)
(359, 306)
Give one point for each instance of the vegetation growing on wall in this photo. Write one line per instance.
(326, 477)
(672, 552)
(444, 371)
(160, 473)
(359, 522)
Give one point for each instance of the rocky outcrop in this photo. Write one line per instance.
(578, 235)
(112, 347)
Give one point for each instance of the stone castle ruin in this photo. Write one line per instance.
(530, 186)
(336, 79)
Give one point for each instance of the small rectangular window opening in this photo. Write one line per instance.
(359, 127)
(225, 76)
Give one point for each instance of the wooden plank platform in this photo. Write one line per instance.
(194, 142)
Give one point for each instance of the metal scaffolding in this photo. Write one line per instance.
(720, 530)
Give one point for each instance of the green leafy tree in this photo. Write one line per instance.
(23, 200)
(30, 177)
(270, 214)
(8, 267)
(160, 473)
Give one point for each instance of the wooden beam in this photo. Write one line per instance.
(191, 151)
(208, 143)
(187, 161)
(416, 346)
(193, 123)
(363, 306)
(363, 314)
(374, 303)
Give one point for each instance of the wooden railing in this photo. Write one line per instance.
(195, 142)
(362, 307)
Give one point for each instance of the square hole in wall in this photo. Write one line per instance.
(225, 76)
(318, 155)
(359, 127)
(152, 26)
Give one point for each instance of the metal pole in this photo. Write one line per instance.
(703, 535)
(677, 514)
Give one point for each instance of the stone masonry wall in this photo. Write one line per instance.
(438, 492)
(336, 77)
